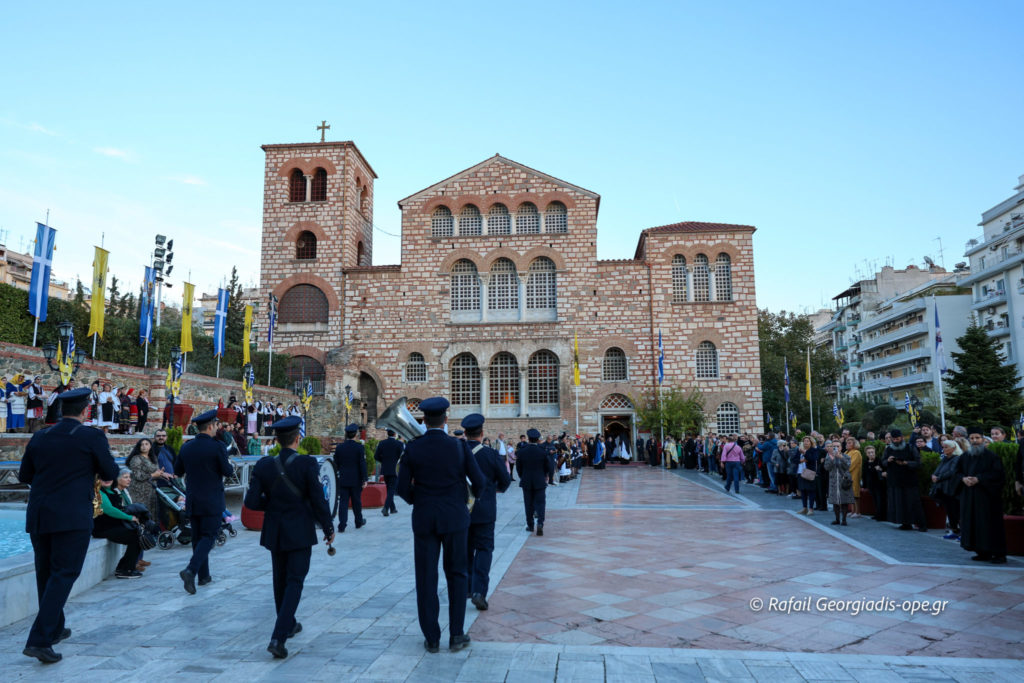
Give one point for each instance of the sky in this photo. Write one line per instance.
(851, 134)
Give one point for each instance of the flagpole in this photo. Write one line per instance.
(577, 408)
(218, 367)
(810, 392)
(270, 360)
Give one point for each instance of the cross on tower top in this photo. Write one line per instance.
(323, 128)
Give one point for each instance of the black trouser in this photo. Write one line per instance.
(426, 548)
(204, 535)
(480, 544)
(534, 500)
(126, 537)
(140, 428)
(878, 495)
(345, 494)
(952, 506)
(58, 558)
(389, 502)
(290, 568)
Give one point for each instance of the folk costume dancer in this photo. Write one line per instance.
(432, 479)
(485, 511)
(203, 462)
(287, 489)
(61, 464)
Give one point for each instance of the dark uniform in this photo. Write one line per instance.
(432, 479)
(289, 523)
(203, 462)
(480, 539)
(388, 453)
(61, 464)
(534, 468)
(350, 464)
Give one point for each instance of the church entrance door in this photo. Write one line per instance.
(368, 392)
(615, 426)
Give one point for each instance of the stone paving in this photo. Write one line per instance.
(630, 585)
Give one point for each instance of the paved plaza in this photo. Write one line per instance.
(642, 575)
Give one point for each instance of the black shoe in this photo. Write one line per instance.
(123, 574)
(360, 523)
(276, 648)
(341, 529)
(835, 523)
(456, 643)
(384, 512)
(904, 527)
(998, 560)
(843, 523)
(529, 528)
(982, 558)
(923, 528)
(203, 582)
(540, 531)
(46, 655)
(297, 629)
(63, 635)
(479, 601)
(190, 581)
(432, 648)
(395, 511)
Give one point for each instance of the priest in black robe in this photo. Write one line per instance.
(982, 477)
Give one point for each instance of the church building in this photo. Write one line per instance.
(498, 276)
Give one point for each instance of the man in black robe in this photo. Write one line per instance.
(902, 461)
(981, 474)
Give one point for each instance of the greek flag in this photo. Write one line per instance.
(146, 306)
(906, 401)
(42, 263)
(302, 428)
(220, 322)
(785, 378)
(940, 356)
(661, 360)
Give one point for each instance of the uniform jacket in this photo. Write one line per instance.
(433, 480)
(387, 454)
(533, 467)
(350, 462)
(290, 522)
(496, 478)
(62, 467)
(203, 462)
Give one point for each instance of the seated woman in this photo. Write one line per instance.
(111, 524)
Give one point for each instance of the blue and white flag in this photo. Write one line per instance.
(42, 262)
(661, 360)
(302, 428)
(146, 307)
(906, 401)
(272, 314)
(220, 322)
(785, 378)
(940, 355)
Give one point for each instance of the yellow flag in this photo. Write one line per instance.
(99, 292)
(246, 334)
(575, 359)
(808, 374)
(187, 295)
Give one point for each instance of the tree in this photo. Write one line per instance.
(786, 337)
(79, 294)
(982, 387)
(235, 323)
(678, 412)
(112, 297)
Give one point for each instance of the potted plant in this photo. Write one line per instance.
(934, 513)
(1013, 517)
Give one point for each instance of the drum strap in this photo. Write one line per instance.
(283, 476)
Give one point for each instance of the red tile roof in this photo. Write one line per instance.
(699, 226)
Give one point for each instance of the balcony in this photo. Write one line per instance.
(895, 335)
(844, 387)
(999, 328)
(854, 321)
(995, 263)
(895, 359)
(893, 383)
(842, 347)
(840, 327)
(1015, 223)
(992, 298)
(857, 363)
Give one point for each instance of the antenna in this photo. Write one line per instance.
(942, 258)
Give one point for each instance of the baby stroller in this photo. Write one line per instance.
(174, 524)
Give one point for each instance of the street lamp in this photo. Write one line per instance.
(64, 331)
(175, 357)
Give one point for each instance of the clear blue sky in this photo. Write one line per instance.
(847, 132)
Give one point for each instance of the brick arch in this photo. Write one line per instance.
(311, 351)
(706, 334)
(363, 365)
(462, 201)
(307, 166)
(520, 363)
(486, 201)
(308, 279)
(598, 397)
(428, 208)
(422, 348)
(503, 252)
(624, 343)
(724, 247)
(457, 255)
(527, 258)
(301, 227)
(556, 196)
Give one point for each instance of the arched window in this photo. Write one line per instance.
(465, 286)
(723, 278)
(728, 416)
(303, 304)
(302, 368)
(504, 380)
(297, 186)
(441, 222)
(707, 361)
(556, 218)
(616, 402)
(305, 246)
(415, 368)
(465, 380)
(364, 202)
(470, 222)
(541, 291)
(498, 220)
(678, 279)
(542, 378)
(503, 286)
(361, 254)
(318, 192)
(701, 284)
(527, 219)
(614, 368)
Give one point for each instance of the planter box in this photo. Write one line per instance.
(252, 519)
(1014, 525)
(182, 415)
(373, 496)
(934, 513)
(866, 503)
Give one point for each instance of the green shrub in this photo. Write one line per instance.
(174, 439)
(883, 416)
(929, 462)
(1007, 452)
(276, 448)
(370, 446)
(311, 444)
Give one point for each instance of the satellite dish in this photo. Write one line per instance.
(928, 260)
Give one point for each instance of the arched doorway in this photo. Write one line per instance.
(616, 420)
(368, 393)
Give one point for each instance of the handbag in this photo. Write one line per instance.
(147, 539)
(809, 474)
(846, 483)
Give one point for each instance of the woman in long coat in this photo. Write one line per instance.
(837, 464)
(145, 467)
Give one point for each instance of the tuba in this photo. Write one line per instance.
(398, 418)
